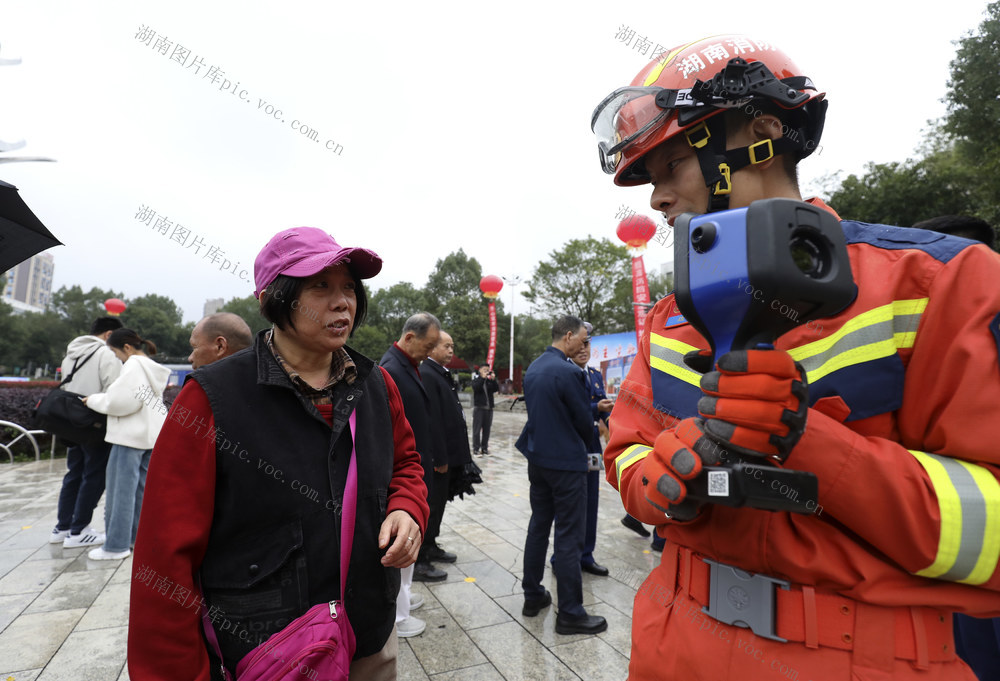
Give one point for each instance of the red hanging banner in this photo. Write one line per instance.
(640, 294)
(491, 354)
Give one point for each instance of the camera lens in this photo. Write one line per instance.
(702, 237)
(810, 254)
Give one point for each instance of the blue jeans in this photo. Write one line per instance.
(560, 496)
(82, 486)
(126, 482)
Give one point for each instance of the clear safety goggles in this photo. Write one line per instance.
(623, 118)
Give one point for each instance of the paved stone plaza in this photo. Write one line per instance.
(63, 616)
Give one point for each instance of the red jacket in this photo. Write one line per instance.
(910, 368)
(180, 494)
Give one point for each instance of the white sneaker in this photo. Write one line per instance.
(411, 626)
(86, 538)
(100, 554)
(416, 600)
(58, 535)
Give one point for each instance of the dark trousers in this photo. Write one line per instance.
(437, 497)
(977, 641)
(82, 486)
(558, 495)
(482, 419)
(590, 537)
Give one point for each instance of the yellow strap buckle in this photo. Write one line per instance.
(753, 148)
(725, 185)
(698, 136)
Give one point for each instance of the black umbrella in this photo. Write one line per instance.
(22, 234)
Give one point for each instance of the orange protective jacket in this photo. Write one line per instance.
(902, 434)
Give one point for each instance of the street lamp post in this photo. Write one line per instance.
(512, 281)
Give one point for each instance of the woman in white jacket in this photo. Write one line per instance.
(135, 409)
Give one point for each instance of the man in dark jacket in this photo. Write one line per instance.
(555, 440)
(484, 385)
(448, 421)
(402, 361)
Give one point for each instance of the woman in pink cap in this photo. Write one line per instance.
(241, 517)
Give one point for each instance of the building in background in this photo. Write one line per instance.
(29, 285)
(212, 305)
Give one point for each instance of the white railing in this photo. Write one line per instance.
(25, 433)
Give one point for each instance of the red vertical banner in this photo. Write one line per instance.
(491, 353)
(640, 294)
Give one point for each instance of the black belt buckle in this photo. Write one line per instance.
(743, 599)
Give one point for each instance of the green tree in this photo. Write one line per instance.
(973, 119)
(586, 278)
(908, 192)
(955, 173)
(160, 319)
(388, 309)
(453, 295)
(79, 309)
(11, 337)
(43, 340)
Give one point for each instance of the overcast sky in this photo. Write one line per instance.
(458, 125)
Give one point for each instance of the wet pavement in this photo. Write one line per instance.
(63, 616)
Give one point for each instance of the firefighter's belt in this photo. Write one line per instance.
(780, 611)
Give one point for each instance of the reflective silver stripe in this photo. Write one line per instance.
(667, 355)
(968, 498)
(632, 455)
(877, 333)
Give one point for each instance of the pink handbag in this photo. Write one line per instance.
(318, 645)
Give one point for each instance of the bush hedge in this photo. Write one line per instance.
(17, 400)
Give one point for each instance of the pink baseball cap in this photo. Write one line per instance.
(305, 251)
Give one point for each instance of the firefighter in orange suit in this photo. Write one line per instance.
(894, 404)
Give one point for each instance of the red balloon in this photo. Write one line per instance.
(490, 285)
(636, 230)
(114, 306)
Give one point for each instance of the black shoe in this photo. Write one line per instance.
(532, 608)
(634, 525)
(486, 452)
(656, 547)
(439, 555)
(580, 624)
(425, 572)
(594, 569)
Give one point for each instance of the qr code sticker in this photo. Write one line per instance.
(718, 483)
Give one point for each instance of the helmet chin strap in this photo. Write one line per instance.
(718, 164)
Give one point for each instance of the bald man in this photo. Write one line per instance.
(216, 336)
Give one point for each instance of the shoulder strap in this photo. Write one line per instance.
(349, 509)
(77, 365)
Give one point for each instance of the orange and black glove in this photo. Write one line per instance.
(755, 403)
(678, 455)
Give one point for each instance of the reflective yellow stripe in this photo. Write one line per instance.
(632, 455)
(877, 333)
(667, 355)
(969, 501)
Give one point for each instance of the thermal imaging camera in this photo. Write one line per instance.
(744, 277)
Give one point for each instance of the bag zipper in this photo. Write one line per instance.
(281, 636)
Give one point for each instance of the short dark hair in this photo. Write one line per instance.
(276, 301)
(102, 324)
(566, 324)
(120, 337)
(963, 226)
(420, 324)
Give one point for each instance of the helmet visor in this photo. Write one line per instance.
(624, 117)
